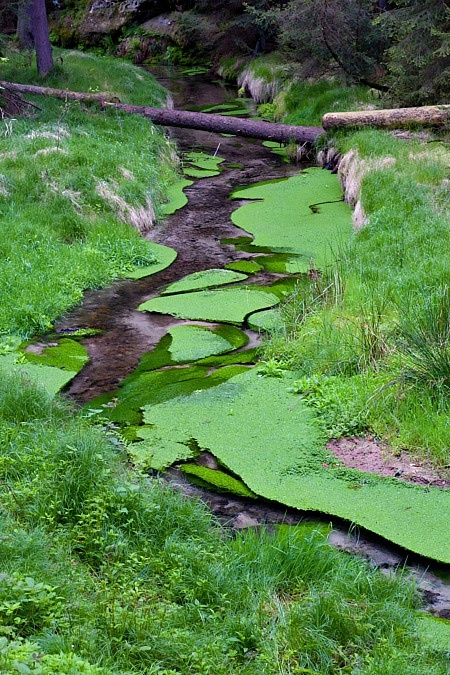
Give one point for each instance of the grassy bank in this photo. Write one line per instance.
(77, 188)
(370, 339)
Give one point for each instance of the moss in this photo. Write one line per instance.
(246, 421)
(283, 221)
(68, 355)
(248, 356)
(282, 263)
(205, 279)
(230, 305)
(216, 479)
(123, 407)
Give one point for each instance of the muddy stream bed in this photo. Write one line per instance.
(196, 233)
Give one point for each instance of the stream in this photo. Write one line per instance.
(197, 232)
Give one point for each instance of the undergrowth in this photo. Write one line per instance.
(106, 571)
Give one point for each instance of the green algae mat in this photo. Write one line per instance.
(164, 257)
(229, 306)
(303, 214)
(267, 436)
(204, 279)
(176, 197)
(51, 369)
(190, 343)
(201, 165)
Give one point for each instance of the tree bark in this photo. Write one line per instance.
(42, 44)
(25, 24)
(397, 117)
(281, 133)
(58, 93)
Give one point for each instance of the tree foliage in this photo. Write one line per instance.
(401, 46)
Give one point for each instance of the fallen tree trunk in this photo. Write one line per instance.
(431, 115)
(281, 133)
(58, 93)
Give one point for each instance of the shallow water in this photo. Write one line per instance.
(195, 233)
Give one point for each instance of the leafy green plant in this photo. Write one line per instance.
(26, 606)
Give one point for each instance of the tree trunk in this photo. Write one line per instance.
(42, 44)
(25, 24)
(57, 93)
(281, 133)
(397, 117)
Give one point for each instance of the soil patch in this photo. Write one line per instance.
(368, 454)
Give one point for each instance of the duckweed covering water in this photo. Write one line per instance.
(190, 343)
(216, 480)
(267, 320)
(284, 221)
(50, 378)
(52, 369)
(150, 388)
(205, 279)
(176, 197)
(164, 257)
(270, 438)
(201, 165)
(67, 354)
(229, 305)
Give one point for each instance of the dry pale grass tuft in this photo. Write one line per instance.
(351, 172)
(48, 151)
(71, 195)
(261, 90)
(8, 155)
(140, 217)
(126, 173)
(56, 135)
(4, 192)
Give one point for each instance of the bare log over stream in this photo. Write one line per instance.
(281, 133)
(431, 115)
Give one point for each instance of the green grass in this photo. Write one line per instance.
(76, 192)
(305, 103)
(105, 571)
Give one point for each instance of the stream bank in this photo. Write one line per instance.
(196, 234)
